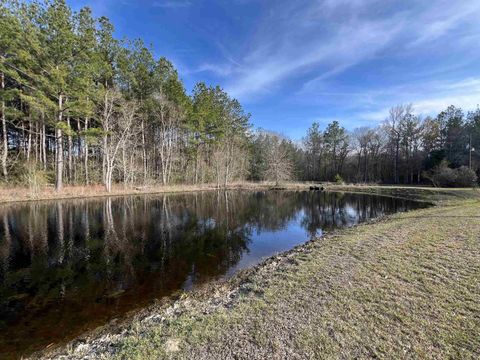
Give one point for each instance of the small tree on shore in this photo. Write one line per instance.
(444, 176)
(466, 177)
(34, 178)
(118, 129)
(279, 163)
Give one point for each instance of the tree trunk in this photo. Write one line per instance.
(37, 141)
(227, 170)
(335, 171)
(395, 163)
(144, 153)
(228, 160)
(365, 179)
(59, 148)
(4, 132)
(79, 158)
(105, 128)
(85, 154)
(217, 171)
(104, 159)
(108, 178)
(196, 167)
(70, 152)
(29, 139)
(44, 143)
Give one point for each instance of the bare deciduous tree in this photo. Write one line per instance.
(397, 115)
(279, 163)
(118, 124)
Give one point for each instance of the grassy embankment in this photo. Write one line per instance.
(407, 286)
(439, 196)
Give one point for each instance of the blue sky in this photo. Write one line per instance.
(291, 63)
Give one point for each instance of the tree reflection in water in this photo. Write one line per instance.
(68, 266)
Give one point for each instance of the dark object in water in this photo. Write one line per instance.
(316, 188)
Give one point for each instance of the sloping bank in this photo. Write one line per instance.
(439, 196)
(406, 286)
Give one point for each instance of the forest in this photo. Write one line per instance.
(80, 107)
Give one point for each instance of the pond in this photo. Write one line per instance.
(69, 266)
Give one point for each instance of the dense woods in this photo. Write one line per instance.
(79, 106)
(404, 149)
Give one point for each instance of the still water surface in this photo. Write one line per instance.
(69, 266)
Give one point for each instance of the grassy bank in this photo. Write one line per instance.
(434, 195)
(407, 286)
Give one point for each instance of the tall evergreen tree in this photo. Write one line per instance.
(59, 43)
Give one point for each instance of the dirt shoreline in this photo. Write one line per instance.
(224, 294)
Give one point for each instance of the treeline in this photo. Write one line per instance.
(79, 107)
(404, 149)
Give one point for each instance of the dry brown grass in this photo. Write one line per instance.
(16, 193)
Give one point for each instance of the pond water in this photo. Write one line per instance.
(69, 266)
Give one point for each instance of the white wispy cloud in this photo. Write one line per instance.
(217, 69)
(444, 18)
(172, 3)
(296, 38)
(347, 47)
(427, 99)
(319, 40)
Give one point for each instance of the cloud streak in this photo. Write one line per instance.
(172, 4)
(346, 48)
(315, 41)
(428, 99)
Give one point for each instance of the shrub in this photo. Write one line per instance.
(444, 176)
(34, 178)
(465, 177)
(338, 179)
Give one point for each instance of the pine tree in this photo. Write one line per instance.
(59, 43)
(87, 67)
